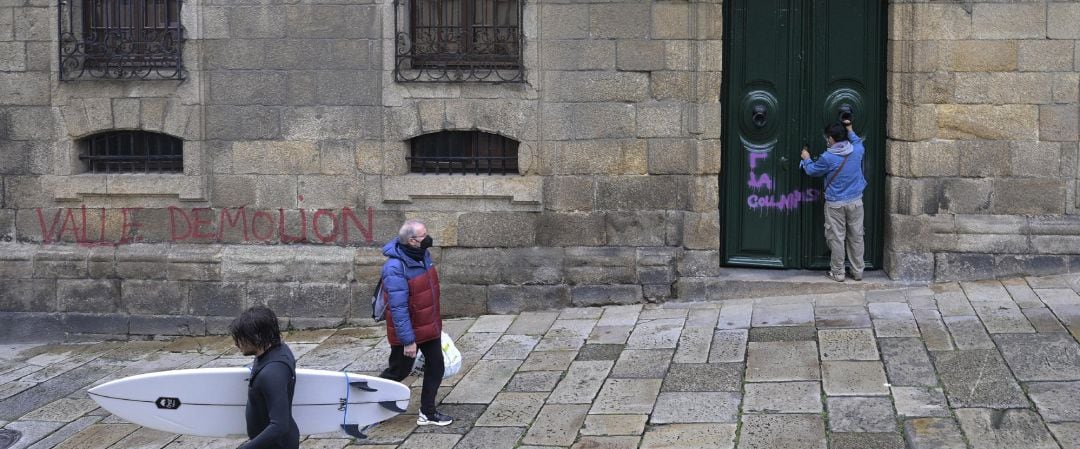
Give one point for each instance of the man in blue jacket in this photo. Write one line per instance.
(414, 318)
(841, 164)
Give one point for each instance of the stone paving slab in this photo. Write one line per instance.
(782, 361)
(933, 331)
(1043, 320)
(703, 377)
(643, 363)
(841, 317)
(656, 334)
(1004, 429)
(968, 332)
(782, 315)
(694, 345)
(1068, 434)
(610, 334)
(607, 442)
(512, 409)
(847, 344)
(978, 378)
(600, 425)
(933, 433)
(1003, 320)
(696, 407)
(861, 414)
(728, 345)
(735, 316)
(919, 402)
(863, 440)
(532, 323)
(591, 352)
(1032, 357)
(690, 436)
(581, 383)
(557, 425)
(782, 397)
(626, 397)
(907, 362)
(783, 333)
(854, 378)
(1056, 401)
(782, 432)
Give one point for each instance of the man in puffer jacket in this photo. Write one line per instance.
(413, 320)
(841, 165)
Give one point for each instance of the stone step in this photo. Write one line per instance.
(736, 283)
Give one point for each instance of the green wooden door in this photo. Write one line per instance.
(790, 67)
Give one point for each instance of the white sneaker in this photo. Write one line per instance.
(436, 419)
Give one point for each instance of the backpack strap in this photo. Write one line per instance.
(837, 172)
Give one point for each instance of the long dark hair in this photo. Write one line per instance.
(256, 326)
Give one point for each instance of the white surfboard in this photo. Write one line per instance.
(210, 401)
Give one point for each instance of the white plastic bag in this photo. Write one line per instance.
(451, 358)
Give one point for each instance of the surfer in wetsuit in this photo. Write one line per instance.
(270, 424)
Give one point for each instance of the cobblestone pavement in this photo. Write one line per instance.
(963, 365)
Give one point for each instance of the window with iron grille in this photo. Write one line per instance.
(458, 41)
(120, 39)
(464, 152)
(132, 152)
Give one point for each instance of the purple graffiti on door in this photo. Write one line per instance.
(783, 202)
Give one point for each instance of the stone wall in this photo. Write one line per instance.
(295, 136)
(983, 117)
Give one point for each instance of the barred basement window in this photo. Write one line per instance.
(463, 152)
(132, 152)
(118, 39)
(458, 41)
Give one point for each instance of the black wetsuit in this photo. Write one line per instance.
(270, 394)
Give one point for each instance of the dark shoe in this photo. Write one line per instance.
(852, 275)
(835, 277)
(436, 419)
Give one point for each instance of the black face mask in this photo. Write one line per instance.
(426, 242)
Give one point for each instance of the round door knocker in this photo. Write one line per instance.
(759, 117)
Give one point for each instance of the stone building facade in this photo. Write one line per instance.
(296, 135)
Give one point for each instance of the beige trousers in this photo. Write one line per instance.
(844, 230)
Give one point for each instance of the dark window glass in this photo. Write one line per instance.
(459, 40)
(464, 152)
(120, 38)
(132, 152)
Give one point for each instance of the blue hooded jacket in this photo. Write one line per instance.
(396, 272)
(849, 183)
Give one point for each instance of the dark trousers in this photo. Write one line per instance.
(401, 366)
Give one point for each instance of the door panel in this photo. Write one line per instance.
(759, 124)
(790, 68)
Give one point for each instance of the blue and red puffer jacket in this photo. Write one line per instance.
(412, 286)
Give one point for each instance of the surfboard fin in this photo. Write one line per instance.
(392, 406)
(354, 431)
(363, 386)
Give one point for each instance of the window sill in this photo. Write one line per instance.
(517, 190)
(73, 188)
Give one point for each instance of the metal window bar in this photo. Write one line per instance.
(463, 152)
(458, 41)
(132, 152)
(120, 39)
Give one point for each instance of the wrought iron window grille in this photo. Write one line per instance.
(451, 41)
(120, 39)
(463, 152)
(132, 152)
